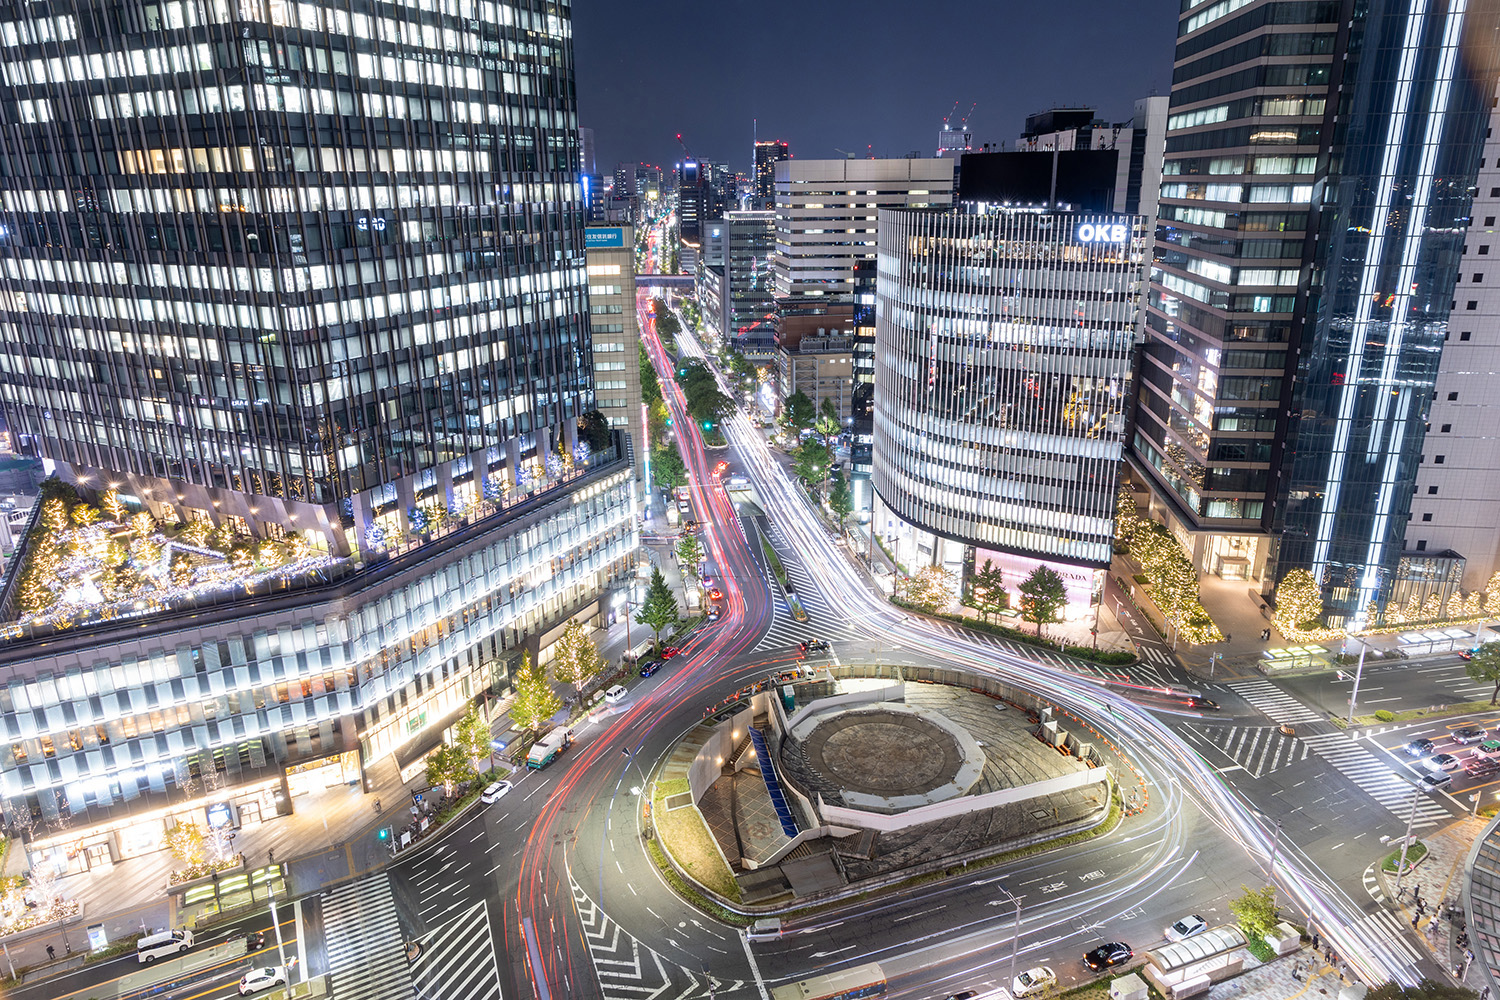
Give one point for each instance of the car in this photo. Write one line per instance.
(667, 652)
(495, 791)
(689, 527)
(714, 612)
(1419, 748)
(1206, 704)
(649, 667)
(1033, 981)
(1443, 762)
(1108, 955)
(716, 594)
(720, 467)
(616, 694)
(1437, 781)
(1489, 748)
(813, 645)
(1187, 927)
(1468, 734)
(963, 995)
(259, 980)
(1466, 654)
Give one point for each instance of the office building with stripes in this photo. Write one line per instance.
(1004, 344)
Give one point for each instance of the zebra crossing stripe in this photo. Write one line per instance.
(366, 951)
(1375, 778)
(1272, 702)
(458, 960)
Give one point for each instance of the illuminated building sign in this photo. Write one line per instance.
(1090, 233)
(604, 238)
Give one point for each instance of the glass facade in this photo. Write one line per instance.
(273, 258)
(1315, 196)
(1003, 354)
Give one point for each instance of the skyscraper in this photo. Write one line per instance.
(265, 272)
(1315, 200)
(768, 153)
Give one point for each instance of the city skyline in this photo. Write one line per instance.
(1107, 56)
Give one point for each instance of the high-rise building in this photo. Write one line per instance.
(255, 277)
(1454, 529)
(692, 199)
(768, 153)
(616, 337)
(1003, 357)
(1314, 207)
(741, 245)
(825, 224)
(586, 150)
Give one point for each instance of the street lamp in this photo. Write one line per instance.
(1360, 670)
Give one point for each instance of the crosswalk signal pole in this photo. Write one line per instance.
(1406, 841)
(1359, 672)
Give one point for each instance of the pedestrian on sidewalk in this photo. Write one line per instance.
(51, 954)
(1315, 942)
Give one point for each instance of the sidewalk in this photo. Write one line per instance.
(1275, 980)
(1439, 877)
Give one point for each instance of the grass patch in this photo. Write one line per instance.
(1256, 945)
(1415, 851)
(690, 892)
(683, 832)
(1109, 657)
(1436, 712)
(774, 560)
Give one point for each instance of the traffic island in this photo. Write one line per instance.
(816, 786)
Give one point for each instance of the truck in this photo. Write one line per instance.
(547, 749)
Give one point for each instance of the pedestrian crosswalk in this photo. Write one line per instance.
(1388, 927)
(1376, 779)
(629, 970)
(1258, 749)
(366, 953)
(1274, 703)
(457, 961)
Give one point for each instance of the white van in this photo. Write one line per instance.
(616, 694)
(764, 929)
(162, 945)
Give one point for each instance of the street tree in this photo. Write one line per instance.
(535, 700)
(593, 427)
(1255, 910)
(798, 413)
(1126, 516)
(1299, 602)
(187, 844)
(812, 461)
(1483, 667)
(667, 468)
(689, 551)
(930, 589)
(577, 660)
(472, 736)
(650, 384)
(1043, 595)
(987, 590)
(448, 766)
(840, 498)
(828, 422)
(659, 609)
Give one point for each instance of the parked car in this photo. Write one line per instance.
(1033, 981)
(1419, 748)
(1489, 748)
(667, 652)
(650, 667)
(1468, 734)
(1108, 955)
(495, 791)
(1443, 762)
(616, 694)
(258, 980)
(1187, 927)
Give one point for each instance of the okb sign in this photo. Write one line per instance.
(1112, 233)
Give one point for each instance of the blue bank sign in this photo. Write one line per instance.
(603, 239)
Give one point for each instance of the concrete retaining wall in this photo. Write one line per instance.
(804, 718)
(719, 747)
(965, 804)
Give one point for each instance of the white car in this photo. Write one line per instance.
(494, 792)
(1187, 927)
(1033, 981)
(616, 694)
(257, 980)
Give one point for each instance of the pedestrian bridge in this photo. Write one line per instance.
(665, 281)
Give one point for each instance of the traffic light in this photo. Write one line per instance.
(385, 833)
(669, 421)
(708, 425)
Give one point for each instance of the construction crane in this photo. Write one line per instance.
(688, 153)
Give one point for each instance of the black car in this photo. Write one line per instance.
(650, 667)
(814, 646)
(1469, 734)
(1108, 955)
(1419, 748)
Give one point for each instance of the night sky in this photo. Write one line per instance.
(828, 74)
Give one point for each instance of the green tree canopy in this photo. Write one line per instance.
(666, 322)
(689, 551)
(472, 736)
(930, 589)
(987, 590)
(828, 422)
(659, 610)
(1043, 595)
(650, 384)
(799, 412)
(593, 427)
(813, 458)
(535, 702)
(576, 659)
(667, 468)
(840, 498)
(1484, 667)
(1255, 910)
(1299, 602)
(449, 765)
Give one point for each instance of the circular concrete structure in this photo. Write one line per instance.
(890, 756)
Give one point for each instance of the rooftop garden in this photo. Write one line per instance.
(84, 563)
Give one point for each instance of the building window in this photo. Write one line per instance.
(1427, 517)
(1446, 428)
(1464, 335)
(1484, 249)
(1432, 491)
(1471, 305)
(1452, 397)
(1422, 545)
(1438, 460)
(1478, 277)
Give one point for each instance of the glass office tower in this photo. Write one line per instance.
(1317, 180)
(291, 262)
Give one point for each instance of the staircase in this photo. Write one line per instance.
(773, 784)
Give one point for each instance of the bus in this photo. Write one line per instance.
(854, 983)
(545, 750)
(163, 945)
